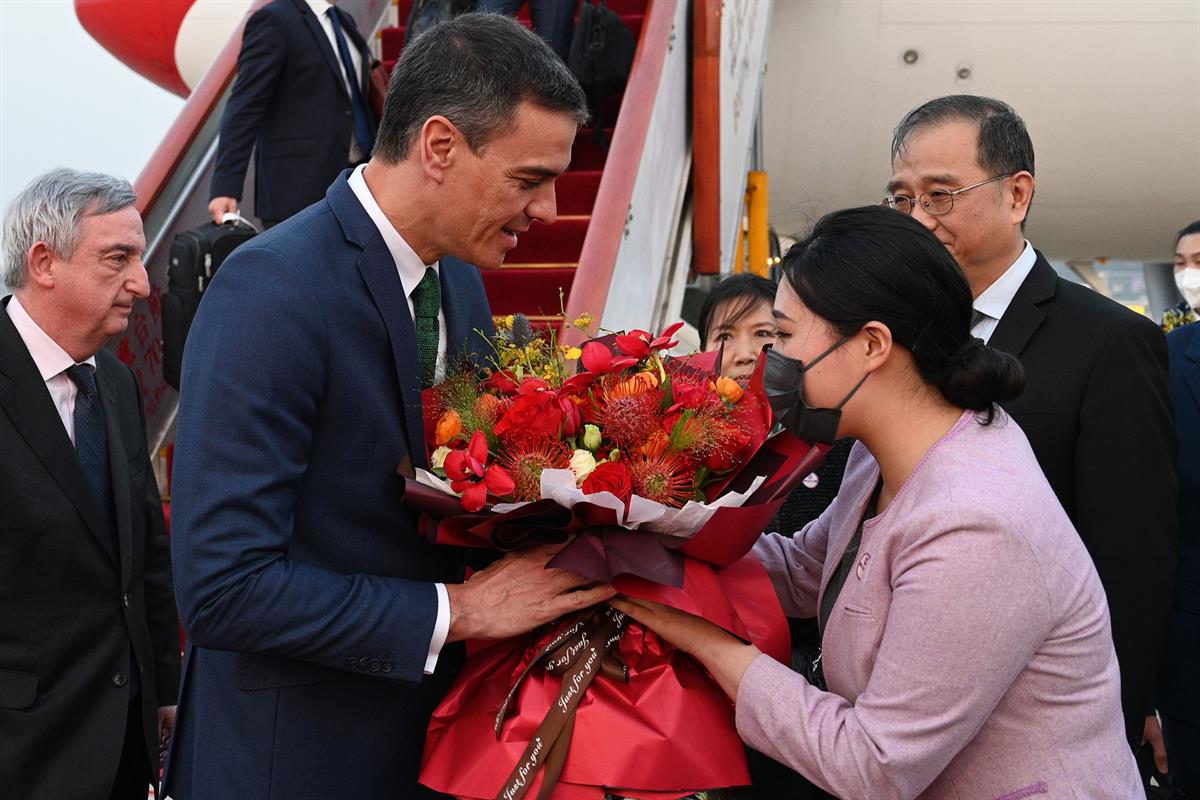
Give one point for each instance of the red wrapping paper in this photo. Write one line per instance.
(671, 729)
(668, 731)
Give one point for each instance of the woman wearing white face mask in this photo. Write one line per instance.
(1187, 264)
(1187, 278)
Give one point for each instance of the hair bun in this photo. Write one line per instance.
(977, 376)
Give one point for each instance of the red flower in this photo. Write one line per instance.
(611, 476)
(665, 479)
(470, 474)
(640, 345)
(527, 458)
(598, 359)
(502, 381)
(536, 414)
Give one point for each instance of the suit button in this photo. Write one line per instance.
(375, 665)
(386, 666)
(119, 679)
(125, 600)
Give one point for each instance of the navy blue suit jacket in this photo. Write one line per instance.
(1178, 690)
(290, 105)
(306, 592)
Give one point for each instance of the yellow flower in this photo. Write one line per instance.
(572, 353)
(583, 321)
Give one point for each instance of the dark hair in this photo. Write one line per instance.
(1188, 230)
(1003, 146)
(873, 263)
(474, 69)
(742, 293)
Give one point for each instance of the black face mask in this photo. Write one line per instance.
(783, 381)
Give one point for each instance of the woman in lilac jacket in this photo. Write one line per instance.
(966, 639)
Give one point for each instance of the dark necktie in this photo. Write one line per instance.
(91, 440)
(977, 317)
(427, 302)
(364, 134)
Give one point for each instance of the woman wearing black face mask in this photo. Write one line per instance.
(967, 646)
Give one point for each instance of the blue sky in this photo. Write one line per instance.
(66, 102)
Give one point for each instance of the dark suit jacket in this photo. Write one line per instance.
(305, 589)
(70, 604)
(1179, 688)
(290, 104)
(1097, 412)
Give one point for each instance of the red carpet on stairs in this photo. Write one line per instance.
(545, 260)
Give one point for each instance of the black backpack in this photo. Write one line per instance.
(194, 259)
(601, 56)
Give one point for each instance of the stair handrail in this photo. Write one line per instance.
(601, 244)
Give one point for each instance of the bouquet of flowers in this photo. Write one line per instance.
(659, 475)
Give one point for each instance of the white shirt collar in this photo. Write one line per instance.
(50, 359)
(408, 263)
(994, 300)
(319, 7)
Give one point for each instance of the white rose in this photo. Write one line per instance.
(438, 458)
(582, 464)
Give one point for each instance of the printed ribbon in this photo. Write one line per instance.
(579, 652)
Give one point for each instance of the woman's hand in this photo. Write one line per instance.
(725, 656)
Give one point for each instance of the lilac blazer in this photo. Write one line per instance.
(969, 655)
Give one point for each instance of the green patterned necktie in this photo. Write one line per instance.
(427, 302)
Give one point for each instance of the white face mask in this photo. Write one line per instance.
(1188, 281)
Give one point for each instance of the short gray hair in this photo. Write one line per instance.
(50, 208)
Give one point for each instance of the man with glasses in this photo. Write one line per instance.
(1096, 407)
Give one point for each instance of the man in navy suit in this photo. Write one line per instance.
(300, 102)
(1178, 687)
(318, 619)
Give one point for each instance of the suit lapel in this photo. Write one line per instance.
(464, 342)
(324, 47)
(1192, 374)
(378, 271)
(1023, 317)
(118, 465)
(24, 397)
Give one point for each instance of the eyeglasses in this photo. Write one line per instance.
(936, 202)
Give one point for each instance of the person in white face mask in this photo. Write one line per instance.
(1187, 278)
(1187, 264)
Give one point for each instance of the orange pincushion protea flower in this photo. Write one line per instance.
(526, 458)
(666, 479)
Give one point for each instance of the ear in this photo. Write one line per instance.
(876, 344)
(41, 265)
(440, 141)
(1021, 187)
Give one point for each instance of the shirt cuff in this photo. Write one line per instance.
(441, 628)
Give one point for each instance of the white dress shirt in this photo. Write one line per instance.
(323, 8)
(411, 270)
(52, 362)
(994, 300)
